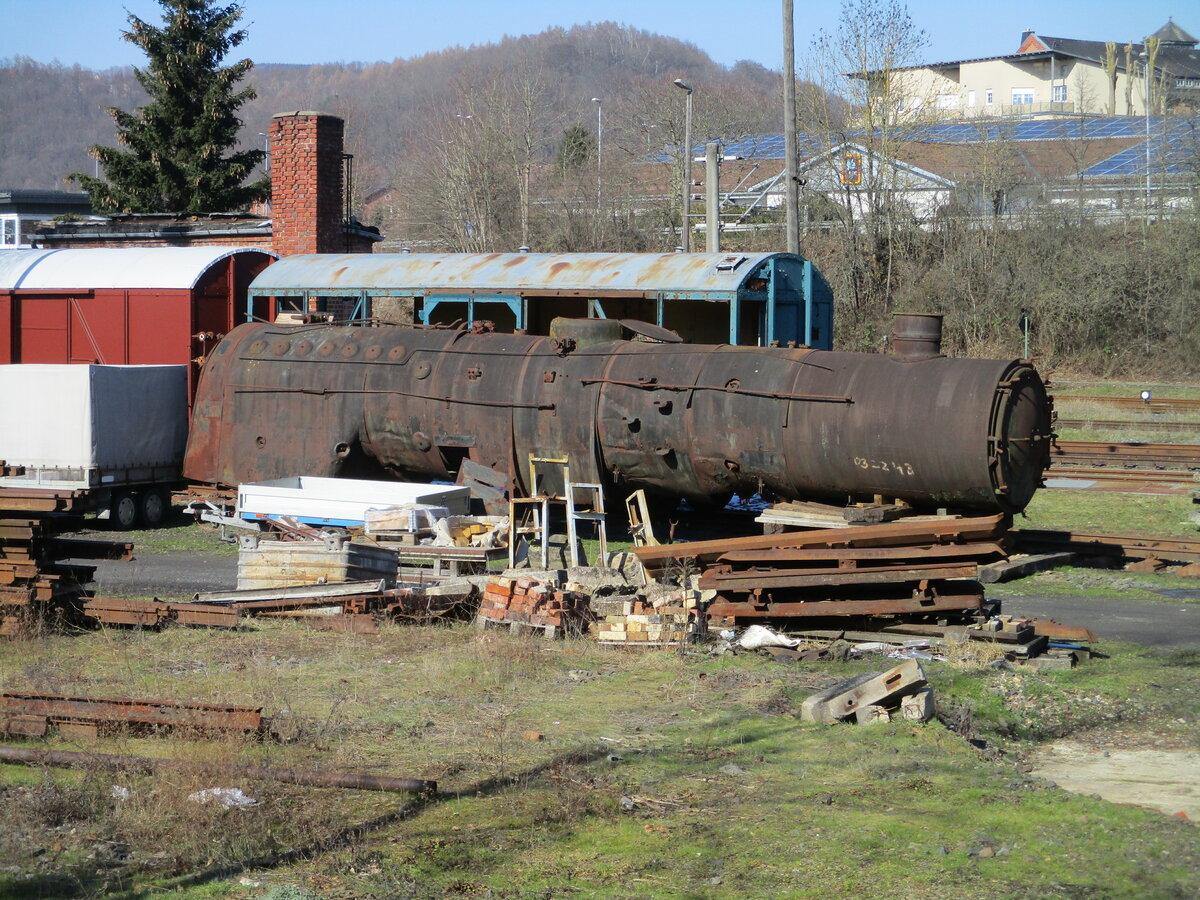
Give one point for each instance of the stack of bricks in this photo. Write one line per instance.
(526, 603)
(631, 622)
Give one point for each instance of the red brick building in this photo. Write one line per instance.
(309, 209)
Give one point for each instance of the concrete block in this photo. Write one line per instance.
(872, 715)
(918, 707)
(836, 703)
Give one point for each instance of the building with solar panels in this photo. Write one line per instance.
(1106, 166)
(1053, 76)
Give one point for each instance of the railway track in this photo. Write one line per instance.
(1128, 423)
(1183, 458)
(1153, 405)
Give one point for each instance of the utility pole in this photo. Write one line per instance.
(712, 197)
(599, 145)
(792, 195)
(686, 237)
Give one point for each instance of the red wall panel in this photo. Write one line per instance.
(43, 323)
(160, 327)
(96, 329)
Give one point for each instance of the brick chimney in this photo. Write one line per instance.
(306, 183)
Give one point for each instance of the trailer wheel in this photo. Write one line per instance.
(152, 508)
(123, 511)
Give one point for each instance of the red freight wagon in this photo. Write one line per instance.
(119, 306)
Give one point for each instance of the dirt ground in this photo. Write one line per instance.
(1158, 779)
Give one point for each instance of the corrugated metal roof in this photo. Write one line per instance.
(511, 272)
(110, 267)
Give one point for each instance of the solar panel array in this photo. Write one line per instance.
(1174, 141)
(1173, 149)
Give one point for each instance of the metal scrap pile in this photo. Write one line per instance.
(911, 568)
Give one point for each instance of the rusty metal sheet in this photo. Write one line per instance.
(594, 274)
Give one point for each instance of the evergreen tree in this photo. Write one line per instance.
(577, 147)
(176, 143)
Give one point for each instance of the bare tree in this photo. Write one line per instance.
(865, 61)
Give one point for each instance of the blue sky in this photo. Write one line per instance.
(87, 32)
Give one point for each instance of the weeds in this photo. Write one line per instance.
(656, 774)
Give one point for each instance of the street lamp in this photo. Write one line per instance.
(599, 146)
(687, 164)
(599, 131)
(1144, 58)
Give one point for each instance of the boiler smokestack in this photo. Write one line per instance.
(916, 336)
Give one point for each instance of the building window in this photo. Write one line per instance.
(947, 101)
(971, 98)
(1022, 96)
(852, 168)
(987, 97)
(8, 232)
(1058, 93)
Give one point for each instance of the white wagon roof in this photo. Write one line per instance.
(110, 267)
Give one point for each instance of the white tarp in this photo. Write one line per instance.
(341, 500)
(89, 417)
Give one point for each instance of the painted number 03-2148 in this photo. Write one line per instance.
(900, 468)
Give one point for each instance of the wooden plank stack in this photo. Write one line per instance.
(527, 603)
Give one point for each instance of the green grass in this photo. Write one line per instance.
(179, 534)
(831, 811)
(1110, 512)
(1161, 390)
(1072, 581)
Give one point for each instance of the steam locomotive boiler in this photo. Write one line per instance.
(680, 420)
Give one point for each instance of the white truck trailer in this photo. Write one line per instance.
(111, 438)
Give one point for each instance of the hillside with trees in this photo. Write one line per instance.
(53, 113)
(494, 147)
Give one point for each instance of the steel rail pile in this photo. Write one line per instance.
(901, 568)
(34, 715)
(34, 585)
(360, 605)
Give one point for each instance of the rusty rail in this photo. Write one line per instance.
(155, 613)
(780, 579)
(946, 597)
(1152, 405)
(1126, 455)
(147, 765)
(55, 709)
(891, 534)
(1130, 545)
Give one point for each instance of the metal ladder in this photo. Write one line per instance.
(592, 511)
